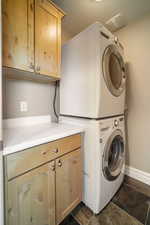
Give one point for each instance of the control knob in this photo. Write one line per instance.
(116, 123)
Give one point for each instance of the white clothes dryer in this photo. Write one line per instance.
(104, 157)
(93, 75)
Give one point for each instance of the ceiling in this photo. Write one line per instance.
(81, 13)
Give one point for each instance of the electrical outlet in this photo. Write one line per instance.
(23, 106)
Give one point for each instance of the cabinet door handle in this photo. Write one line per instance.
(59, 163)
(52, 167)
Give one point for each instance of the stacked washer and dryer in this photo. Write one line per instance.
(92, 95)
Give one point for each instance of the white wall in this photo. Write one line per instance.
(65, 35)
(136, 41)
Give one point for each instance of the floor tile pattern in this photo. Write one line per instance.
(148, 217)
(70, 221)
(130, 206)
(137, 185)
(82, 214)
(133, 202)
(111, 215)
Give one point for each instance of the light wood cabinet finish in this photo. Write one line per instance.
(68, 184)
(18, 36)
(31, 198)
(47, 38)
(41, 187)
(32, 37)
(21, 162)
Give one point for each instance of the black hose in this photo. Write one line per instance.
(54, 101)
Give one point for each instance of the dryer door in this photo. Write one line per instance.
(114, 70)
(113, 156)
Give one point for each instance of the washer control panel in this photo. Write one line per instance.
(112, 123)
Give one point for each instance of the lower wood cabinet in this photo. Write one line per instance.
(44, 195)
(31, 198)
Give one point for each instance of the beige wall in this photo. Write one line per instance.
(65, 36)
(39, 97)
(136, 41)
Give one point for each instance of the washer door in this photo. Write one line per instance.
(114, 70)
(113, 156)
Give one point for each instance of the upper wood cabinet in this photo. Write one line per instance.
(32, 36)
(18, 35)
(47, 38)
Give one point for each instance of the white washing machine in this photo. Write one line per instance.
(104, 156)
(93, 75)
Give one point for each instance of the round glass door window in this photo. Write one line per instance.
(114, 70)
(113, 157)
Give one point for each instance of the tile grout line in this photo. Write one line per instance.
(128, 213)
(137, 189)
(76, 219)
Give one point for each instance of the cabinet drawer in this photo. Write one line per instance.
(20, 162)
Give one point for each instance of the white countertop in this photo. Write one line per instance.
(22, 137)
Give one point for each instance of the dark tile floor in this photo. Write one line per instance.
(130, 206)
(70, 221)
(133, 202)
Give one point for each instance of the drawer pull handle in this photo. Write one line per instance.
(59, 163)
(55, 150)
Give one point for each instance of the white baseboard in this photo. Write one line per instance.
(138, 174)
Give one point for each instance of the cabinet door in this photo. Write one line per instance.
(31, 198)
(47, 39)
(18, 46)
(68, 183)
